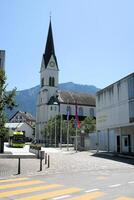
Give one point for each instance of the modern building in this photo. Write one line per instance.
(52, 102)
(23, 117)
(2, 59)
(115, 116)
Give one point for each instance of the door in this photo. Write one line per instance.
(118, 143)
(125, 144)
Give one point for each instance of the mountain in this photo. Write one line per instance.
(26, 99)
(73, 87)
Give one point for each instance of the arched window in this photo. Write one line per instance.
(53, 81)
(80, 111)
(42, 82)
(69, 110)
(91, 112)
(50, 81)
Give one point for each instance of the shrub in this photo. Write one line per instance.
(35, 146)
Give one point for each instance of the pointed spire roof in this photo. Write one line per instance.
(49, 50)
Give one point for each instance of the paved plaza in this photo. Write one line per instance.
(62, 161)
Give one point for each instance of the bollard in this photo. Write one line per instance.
(45, 158)
(18, 165)
(41, 158)
(40, 164)
(48, 161)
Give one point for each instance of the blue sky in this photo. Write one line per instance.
(94, 40)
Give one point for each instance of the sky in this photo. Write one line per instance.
(94, 40)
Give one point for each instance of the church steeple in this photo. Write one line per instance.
(49, 50)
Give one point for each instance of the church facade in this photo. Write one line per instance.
(52, 102)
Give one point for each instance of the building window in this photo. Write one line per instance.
(91, 112)
(42, 82)
(80, 111)
(51, 108)
(131, 111)
(51, 81)
(131, 87)
(68, 110)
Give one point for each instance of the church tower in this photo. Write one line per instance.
(47, 105)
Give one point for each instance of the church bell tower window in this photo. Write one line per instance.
(51, 81)
(42, 82)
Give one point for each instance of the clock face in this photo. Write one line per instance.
(52, 64)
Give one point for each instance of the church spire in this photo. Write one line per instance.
(49, 50)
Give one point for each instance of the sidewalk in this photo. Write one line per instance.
(10, 152)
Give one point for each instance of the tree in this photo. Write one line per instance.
(88, 125)
(7, 100)
(55, 122)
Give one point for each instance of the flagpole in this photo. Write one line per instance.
(55, 131)
(68, 125)
(68, 135)
(76, 140)
(61, 133)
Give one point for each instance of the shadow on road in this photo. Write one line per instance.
(115, 157)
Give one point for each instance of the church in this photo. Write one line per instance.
(51, 102)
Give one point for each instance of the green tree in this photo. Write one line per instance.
(7, 100)
(88, 125)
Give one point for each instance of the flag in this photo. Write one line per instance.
(67, 114)
(77, 122)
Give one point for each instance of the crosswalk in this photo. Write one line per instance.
(26, 188)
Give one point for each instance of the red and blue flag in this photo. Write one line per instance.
(77, 122)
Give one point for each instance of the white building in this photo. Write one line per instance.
(115, 116)
(52, 102)
(24, 127)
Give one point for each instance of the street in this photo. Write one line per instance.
(72, 176)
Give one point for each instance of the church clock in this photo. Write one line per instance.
(52, 64)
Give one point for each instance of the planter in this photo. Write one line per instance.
(35, 149)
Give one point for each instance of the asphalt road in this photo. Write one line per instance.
(72, 176)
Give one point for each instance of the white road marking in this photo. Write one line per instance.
(117, 185)
(92, 190)
(61, 197)
(130, 182)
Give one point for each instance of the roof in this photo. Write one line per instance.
(49, 49)
(79, 98)
(26, 115)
